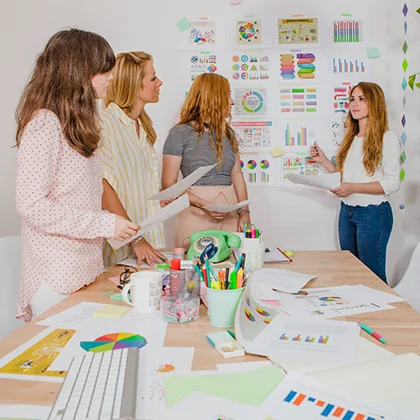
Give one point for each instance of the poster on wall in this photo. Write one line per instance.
(346, 31)
(295, 31)
(350, 63)
(259, 169)
(297, 133)
(202, 35)
(250, 101)
(298, 99)
(298, 163)
(341, 98)
(249, 66)
(300, 66)
(251, 32)
(253, 135)
(195, 63)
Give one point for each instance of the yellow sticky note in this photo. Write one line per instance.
(111, 311)
(277, 151)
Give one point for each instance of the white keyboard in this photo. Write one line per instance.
(99, 386)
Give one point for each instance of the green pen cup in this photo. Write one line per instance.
(222, 306)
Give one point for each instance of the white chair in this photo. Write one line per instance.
(409, 286)
(9, 283)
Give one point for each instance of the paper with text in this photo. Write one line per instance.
(325, 181)
(156, 219)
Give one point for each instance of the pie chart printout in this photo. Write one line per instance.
(114, 341)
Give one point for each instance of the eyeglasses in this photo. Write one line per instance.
(125, 276)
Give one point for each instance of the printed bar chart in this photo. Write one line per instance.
(300, 139)
(284, 337)
(344, 65)
(347, 31)
(297, 338)
(328, 410)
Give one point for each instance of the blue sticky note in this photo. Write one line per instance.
(373, 52)
(183, 24)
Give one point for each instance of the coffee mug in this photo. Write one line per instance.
(146, 290)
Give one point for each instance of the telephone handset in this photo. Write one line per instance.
(224, 241)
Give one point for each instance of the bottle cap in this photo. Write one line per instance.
(175, 264)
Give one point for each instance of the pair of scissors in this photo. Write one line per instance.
(209, 251)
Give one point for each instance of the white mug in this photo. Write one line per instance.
(146, 290)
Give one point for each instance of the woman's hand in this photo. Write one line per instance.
(215, 215)
(164, 203)
(146, 252)
(243, 218)
(317, 155)
(344, 190)
(124, 229)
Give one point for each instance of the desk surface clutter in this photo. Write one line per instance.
(381, 382)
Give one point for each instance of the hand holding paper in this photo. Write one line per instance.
(164, 214)
(183, 185)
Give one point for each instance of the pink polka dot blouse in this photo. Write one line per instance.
(58, 196)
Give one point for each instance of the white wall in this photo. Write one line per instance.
(294, 218)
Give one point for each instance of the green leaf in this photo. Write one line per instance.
(411, 81)
(418, 10)
(418, 85)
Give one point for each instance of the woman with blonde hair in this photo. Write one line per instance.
(130, 165)
(59, 174)
(369, 163)
(204, 136)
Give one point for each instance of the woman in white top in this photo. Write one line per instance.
(130, 165)
(369, 163)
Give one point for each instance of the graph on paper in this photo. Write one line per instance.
(341, 98)
(250, 101)
(297, 66)
(298, 100)
(298, 164)
(247, 66)
(347, 31)
(308, 339)
(298, 135)
(346, 65)
(258, 169)
(253, 135)
(202, 63)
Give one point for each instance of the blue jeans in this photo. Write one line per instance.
(365, 232)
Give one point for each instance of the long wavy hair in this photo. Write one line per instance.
(377, 126)
(207, 106)
(129, 72)
(62, 83)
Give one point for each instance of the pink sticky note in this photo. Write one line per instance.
(115, 280)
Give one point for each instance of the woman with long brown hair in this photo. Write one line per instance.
(131, 170)
(369, 163)
(204, 136)
(59, 176)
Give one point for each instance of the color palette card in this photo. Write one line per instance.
(111, 311)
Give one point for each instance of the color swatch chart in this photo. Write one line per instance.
(345, 65)
(300, 138)
(298, 165)
(250, 67)
(299, 65)
(347, 31)
(253, 134)
(298, 100)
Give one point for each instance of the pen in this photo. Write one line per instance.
(371, 332)
(231, 334)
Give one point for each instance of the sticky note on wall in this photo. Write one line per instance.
(183, 24)
(276, 151)
(373, 52)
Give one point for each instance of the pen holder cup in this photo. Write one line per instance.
(254, 250)
(222, 306)
(185, 281)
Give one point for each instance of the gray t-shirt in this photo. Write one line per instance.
(183, 141)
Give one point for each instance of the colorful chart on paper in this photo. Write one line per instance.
(253, 135)
(202, 33)
(346, 64)
(202, 62)
(37, 359)
(250, 66)
(114, 341)
(341, 98)
(297, 66)
(298, 100)
(248, 32)
(347, 31)
(259, 169)
(298, 164)
(297, 31)
(250, 101)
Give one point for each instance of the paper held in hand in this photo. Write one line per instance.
(325, 181)
(164, 214)
(183, 185)
(226, 208)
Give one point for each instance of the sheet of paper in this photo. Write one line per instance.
(402, 372)
(299, 397)
(374, 295)
(112, 311)
(31, 360)
(308, 338)
(325, 181)
(183, 185)
(156, 219)
(251, 387)
(150, 327)
(132, 262)
(282, 280)
(366, 352)
(226, 208)
(274, 255)
(242, 366)
(207, 407)
(24, 412)
(153, 367)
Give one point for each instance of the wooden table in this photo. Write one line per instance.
(400, 326)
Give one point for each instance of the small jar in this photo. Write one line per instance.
(179, 253)
(179, 309)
